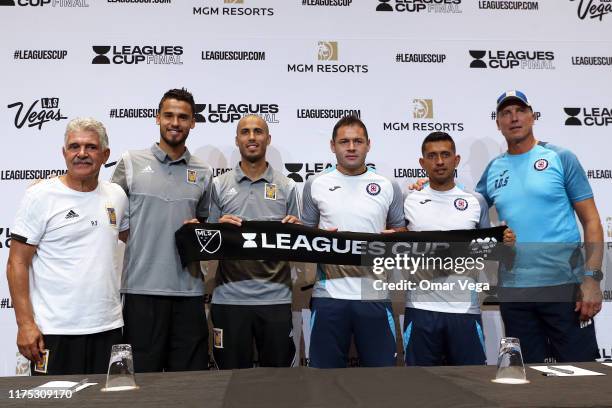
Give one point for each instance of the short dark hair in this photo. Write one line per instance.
(349, 121)
(180, 95)
(438, 137)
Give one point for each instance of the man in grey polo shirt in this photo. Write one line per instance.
(252, 299)
(163, 303)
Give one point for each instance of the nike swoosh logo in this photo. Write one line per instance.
(424, 201)
(334, 188)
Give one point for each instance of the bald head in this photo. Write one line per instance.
(252, 138)
(252, 121)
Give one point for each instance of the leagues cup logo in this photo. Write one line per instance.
(293, 169)
(101, 51)
(572, 120)
(478, 55)
(249, 240)
(210, 240)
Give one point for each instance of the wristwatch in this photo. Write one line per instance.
(596, 274)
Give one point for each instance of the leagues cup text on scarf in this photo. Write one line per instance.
(275, 241)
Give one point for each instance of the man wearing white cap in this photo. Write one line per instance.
(550, 295)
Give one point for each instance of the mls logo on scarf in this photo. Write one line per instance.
(210, 240)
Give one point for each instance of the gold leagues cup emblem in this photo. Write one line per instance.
(192, 176)
(210, 240)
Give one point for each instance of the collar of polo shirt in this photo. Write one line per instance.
(163, 156)
(267, 175)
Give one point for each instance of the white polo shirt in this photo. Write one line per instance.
(367, 202)
(74, 277)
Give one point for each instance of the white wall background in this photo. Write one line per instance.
(289, 33)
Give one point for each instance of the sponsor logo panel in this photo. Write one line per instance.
(328, 54)
(137, 54)
(588, 116)
(420, 6)
(592, 9)
(422, 110)
(512, 59)
(509, 5)
(46, 3)
(233, 8)
(233, 112)
(36, 113)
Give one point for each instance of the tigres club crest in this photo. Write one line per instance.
(192, 176)
(270, 191)
(210, 240)
(112, 216)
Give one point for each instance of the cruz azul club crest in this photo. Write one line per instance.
(540, 164)
(210, 240)
(461, 204)
(373, 189)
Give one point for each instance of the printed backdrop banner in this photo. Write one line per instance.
(406, 67)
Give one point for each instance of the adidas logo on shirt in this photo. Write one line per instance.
(71, 214)
(232, 191)
(147, 169)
